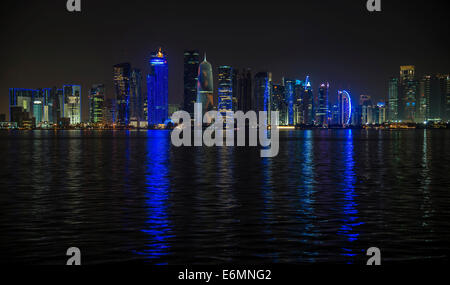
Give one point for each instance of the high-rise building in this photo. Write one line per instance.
(289, 95)
(205, 86)
(447, 99)
(308, 102)
(21, 98)
(191, 62)
(393, 100)
(322, 105)
(298, 102)
(367, 109)
(72, 103)
(409, 88)
(345, 108)
(262, 92)
(225, 89)
(244, 91)
(423, 99)
(38, 107)
(380, 113)
(158, 89)
(110, 111)
(96, 103)
(439, 97)
(122, 91)
(136, 96)
(279, 103)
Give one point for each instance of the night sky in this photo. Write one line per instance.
(43, 45)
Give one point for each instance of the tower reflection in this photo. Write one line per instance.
(158, 227)
(350, 218)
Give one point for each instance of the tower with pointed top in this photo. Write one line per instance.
(205, 86)
(158, 89)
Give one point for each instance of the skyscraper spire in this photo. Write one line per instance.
(205, 57)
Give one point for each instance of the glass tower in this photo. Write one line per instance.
(158, 88)
(122, 89)
(205, 86)
(136, 96)
(191, 62)
(289, 90)
(72, 103)
(96, 104)
(393, 100)
(225, 90)
(322, 105)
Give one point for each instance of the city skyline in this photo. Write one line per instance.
(364, 72)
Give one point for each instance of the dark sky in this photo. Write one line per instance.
(43, 45)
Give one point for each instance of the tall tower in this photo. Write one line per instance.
(308, 102)
(136, 96)
(244, 96)
(191, 62)
(289, 94)
(158, 88)
(96, 103)
(322, 105)
(262, 92)
(122, 89)
(408, 92)
(345, 108)
(72, 103)
(205, 86)
(225, 89)
(393, 100)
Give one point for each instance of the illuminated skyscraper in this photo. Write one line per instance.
(122, 89)
(205, 86)
(158, 89)
(262, 92)
(21, 99)
(322, 105)
(289, 94)
(136, 96)
(308, 103)
(279, 103)
(72, 103)
(345, 108)
(423, 99)
(393, 101)
(96, 103)
(409, 89)
(298, 102)
(38, 107)
(191, 62)
(225, 89)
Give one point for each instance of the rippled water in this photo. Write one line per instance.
(130, 197)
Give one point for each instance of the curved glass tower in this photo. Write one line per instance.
(205, 86)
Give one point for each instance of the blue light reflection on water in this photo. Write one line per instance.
(157, 189)
(350, 218)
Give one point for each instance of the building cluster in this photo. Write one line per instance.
(414, 99)
(410, 100)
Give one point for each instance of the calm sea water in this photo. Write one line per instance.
(132, 197)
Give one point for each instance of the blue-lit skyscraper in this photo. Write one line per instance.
(322, 105)
(158, 88)
(345, 108)
(289, 91)
(122, 89)
(225, 78)
(308, 103)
